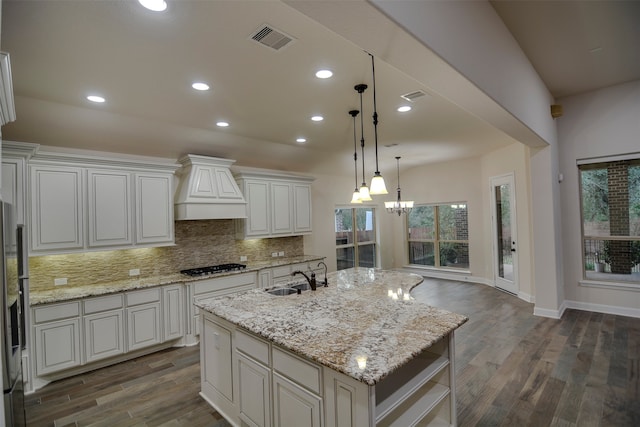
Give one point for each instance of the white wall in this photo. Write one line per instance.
(595, 124)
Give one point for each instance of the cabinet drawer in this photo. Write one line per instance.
(297, 370)
(143, 297)
(235, 280)
(96, 305)
(252, 347)
(56, 312)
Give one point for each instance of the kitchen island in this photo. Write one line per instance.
(359, 352)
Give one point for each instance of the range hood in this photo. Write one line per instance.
(207, 190)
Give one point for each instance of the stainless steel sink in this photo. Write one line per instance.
(282, 291)
(302, 286)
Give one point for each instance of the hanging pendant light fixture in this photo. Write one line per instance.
(399, 206)
(364, 190)
(377, 182)
(355, 199)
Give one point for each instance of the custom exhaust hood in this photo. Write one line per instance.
(207, 190)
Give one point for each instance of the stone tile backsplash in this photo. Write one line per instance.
(198, 243)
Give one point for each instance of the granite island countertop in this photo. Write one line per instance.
(363, 315)
(67, 293)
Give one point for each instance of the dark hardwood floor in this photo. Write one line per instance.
(513, 369)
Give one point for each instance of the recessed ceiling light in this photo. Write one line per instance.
(96, 98)
(324, 74)
(200, 86)
(154, 5)
(301, 140)
(404, 108)
(317, 118)
(222, 124)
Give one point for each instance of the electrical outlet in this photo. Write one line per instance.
(243, 257)
(281, 253)
(60, 281)
(134, 272)
(274, 254)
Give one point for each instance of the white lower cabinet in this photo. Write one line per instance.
(174, 316)
(103, 327)
(143, 318)
(293, 405)
(56, 337)
(68, 337)
(254, 384)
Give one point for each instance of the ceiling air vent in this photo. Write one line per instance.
(270, 37)
(412, 96)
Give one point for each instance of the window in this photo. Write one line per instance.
(355, 246)
(438, 235)
(610, 208)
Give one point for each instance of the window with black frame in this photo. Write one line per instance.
(610, 209)
(356, 243)
(438, 235)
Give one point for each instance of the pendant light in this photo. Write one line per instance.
(377, 182)
(364, 190)
(400, 207)
(356, 193)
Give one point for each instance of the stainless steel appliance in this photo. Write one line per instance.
(212, 269)
(13, 275)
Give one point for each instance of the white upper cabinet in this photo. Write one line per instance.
(110, 195)
(278, 204)
(154, 208)
(81, 203)
(57, 216)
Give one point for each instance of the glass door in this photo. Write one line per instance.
(504, 231)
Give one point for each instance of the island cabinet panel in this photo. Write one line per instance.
(293, 405)
(57, 216)
(254, 385)
(216, 368)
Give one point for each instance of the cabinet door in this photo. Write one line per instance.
(143, 326)
(57, 346)
(104, 335)
(293, 405)
(258, 216)
(254, 388)
(264, 278)
(110, 210)
(56, 208)
(13, 185)
(217, 369)
(173, 312)
(302, 208)
(281, 208)
(154, 208)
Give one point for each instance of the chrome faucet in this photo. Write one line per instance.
(311, 281)
(324, 282)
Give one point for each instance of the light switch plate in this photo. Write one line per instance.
(274, 254)
(134, 272)
(243, 258)
(281, 253)
(60, 281)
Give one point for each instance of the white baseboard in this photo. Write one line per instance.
(448, 275)
(553, 314)
(603, 308)
(526, 297)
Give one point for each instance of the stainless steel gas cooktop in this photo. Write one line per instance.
(213, 269)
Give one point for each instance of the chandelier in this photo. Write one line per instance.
(399, 206)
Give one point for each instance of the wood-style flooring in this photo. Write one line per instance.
(513, 369)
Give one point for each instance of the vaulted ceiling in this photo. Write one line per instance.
(144, 63)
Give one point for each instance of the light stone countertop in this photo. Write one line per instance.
(363, 315)
(67, 293)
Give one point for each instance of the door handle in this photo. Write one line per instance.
(513, 250)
